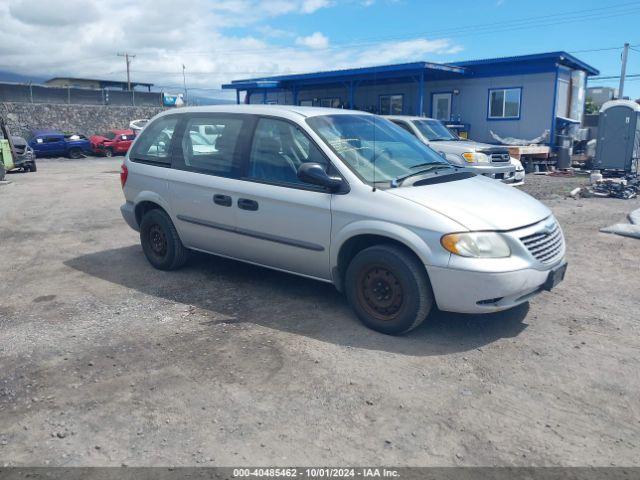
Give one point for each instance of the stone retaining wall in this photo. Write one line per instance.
(86, 119)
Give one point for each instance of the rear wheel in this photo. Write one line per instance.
(108, 152)
(160, 241)
(388, 288)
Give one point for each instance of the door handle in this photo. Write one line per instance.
(223, 200)
(246, 204)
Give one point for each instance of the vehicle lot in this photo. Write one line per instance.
(106, 361)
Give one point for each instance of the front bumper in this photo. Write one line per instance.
(25, 158)
(464, 291)
(129, 215)
(504, 173)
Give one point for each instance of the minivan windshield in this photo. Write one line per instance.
(434, 130)
(362, 140)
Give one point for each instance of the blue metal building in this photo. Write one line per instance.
(512, 96)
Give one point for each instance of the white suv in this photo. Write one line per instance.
(342, 197)
(491, 161)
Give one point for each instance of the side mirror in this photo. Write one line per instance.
(315, 174)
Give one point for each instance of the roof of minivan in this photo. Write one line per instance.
(281, 110)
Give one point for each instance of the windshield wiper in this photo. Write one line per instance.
(396, 182)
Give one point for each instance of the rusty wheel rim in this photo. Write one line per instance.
(380, 292)
(157, 241)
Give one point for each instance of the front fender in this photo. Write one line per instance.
(421, 244)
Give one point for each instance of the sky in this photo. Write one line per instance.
(221, 40)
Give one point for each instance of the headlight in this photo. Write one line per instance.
(476, 244)
(517, 163)
(475, 157)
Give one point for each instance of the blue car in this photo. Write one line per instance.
(51, 143)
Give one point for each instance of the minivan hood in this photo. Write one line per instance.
(477, 203)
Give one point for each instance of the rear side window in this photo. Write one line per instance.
(154, 144)
(209, 144)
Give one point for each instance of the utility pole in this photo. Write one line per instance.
(184, 83)
(128, 59)
(623, 73)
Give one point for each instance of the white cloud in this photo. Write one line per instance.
(43, 43)
(53, 12)
(315, 40)
(310, 6)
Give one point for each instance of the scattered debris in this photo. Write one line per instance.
(519, 141)
(625, 188)
(626, 229)
(575, 192)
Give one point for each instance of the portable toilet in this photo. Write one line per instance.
(618, 146)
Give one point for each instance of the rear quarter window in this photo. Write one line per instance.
(154, 143)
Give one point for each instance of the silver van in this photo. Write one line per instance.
(491, 161)
(342, 197)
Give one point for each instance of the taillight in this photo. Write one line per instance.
(124, 172)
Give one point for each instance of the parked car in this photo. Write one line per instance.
(113, 142)
(488, 160)
(25, 158)
(342, 197)
(52, 143)
(15, 154)
(138, 125)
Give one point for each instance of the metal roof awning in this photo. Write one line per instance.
(251, 84)
(379, 73)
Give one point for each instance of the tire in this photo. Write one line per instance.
(33, 167)
(75, 153)
(2, 171)
(108, 153)
(389, 289)
(160, 241)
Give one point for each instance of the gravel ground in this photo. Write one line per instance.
(106, 361)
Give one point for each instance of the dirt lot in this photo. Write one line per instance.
(105, 361)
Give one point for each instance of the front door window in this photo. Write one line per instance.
(442, 106)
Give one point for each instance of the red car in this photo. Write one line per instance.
(114, 142)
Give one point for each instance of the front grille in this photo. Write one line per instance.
(19, 149)
(500, 157)
(546, 246)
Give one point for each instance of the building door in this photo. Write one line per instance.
(441, 106)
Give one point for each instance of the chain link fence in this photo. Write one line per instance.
(13, 92)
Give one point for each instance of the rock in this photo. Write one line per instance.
(61, 434)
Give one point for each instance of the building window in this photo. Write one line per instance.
(391, 104)
(306, 103)
(505, 103)
(333, 102)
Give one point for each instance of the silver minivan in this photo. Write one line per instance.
(343, 197)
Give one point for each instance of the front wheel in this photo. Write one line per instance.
(33, 167)
(389, 289)
(160, 241)
(75, 153)
(108, 152)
